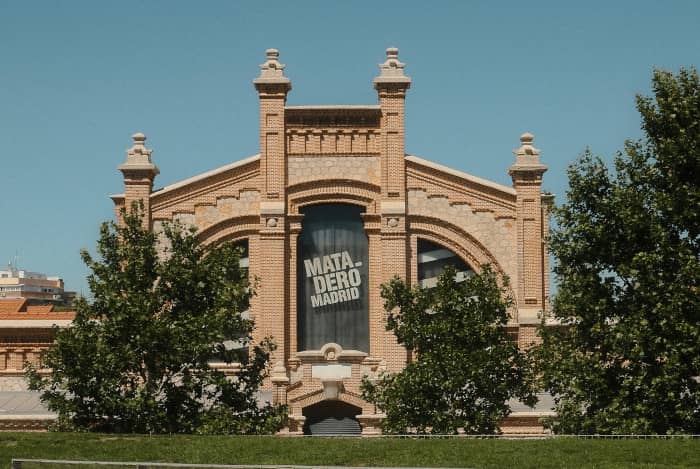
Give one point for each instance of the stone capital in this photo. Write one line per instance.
(391, 74)
(272, 79)
(138, 164)
(527, 166)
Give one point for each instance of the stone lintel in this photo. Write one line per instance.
(529, 315)
(272, 207)
(393, 207)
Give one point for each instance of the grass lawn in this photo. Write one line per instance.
(551, 453)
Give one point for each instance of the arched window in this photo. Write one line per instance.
(432, 258)
(235, 342)
(244, 261)
(332, 296)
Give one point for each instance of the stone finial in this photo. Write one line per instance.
(272, 71)
(526, 148)
(527, 157)
(138, 153)
(391, 71)
(138, 157)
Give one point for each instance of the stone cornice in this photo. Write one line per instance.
(332, 116)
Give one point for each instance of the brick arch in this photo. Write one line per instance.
(231, 229)
(468, 248)
(308, 400)
(333, 191)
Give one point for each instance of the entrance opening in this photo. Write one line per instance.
(332, 418)
(332, 275)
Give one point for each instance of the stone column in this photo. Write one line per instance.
(391, 85)
(527, 180)
(139, 173)
(272, 87)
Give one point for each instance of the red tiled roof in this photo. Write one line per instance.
(12, 305)
(17, 308)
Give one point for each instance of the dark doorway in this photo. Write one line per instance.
(332, 418)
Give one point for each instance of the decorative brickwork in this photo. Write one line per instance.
(352, 155)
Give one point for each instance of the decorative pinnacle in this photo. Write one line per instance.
(272, 71)
(138, 157)
(139, 147)
(526, 148)
(527, 157)
(391, 71)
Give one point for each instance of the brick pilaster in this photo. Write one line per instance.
(272, 87)
(527, 180)
(391, 85)
(139, 173)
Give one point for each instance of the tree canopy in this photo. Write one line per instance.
(627, 249)
(138, 355)
(465, 368)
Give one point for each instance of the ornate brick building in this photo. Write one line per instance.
(330, 209)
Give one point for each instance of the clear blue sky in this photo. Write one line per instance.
(77, 78)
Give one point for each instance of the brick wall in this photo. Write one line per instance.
(356, 155)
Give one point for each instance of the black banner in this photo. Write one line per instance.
(332, 299)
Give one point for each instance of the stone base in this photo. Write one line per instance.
(371, 424)
(13, 382)
(25, 423)
(295, 426)
(523, 424)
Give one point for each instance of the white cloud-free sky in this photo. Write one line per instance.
(78, 78)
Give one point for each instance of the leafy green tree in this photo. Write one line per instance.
(136, 358)
(466, 367)
(627, 245)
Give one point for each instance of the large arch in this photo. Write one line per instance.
(333, 191)
(460, 242)
(230, 229)
(302, 401)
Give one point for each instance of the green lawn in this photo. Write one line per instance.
(554, 453)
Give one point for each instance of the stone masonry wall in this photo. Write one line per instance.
(313, 168)
(497, 235)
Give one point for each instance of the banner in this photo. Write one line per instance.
(332, 295)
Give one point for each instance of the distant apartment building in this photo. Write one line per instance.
(26, 331)
(34, 286)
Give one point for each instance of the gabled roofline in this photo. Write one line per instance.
(199, 177)
(462, 175)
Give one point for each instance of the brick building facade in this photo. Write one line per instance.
(346, 166)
